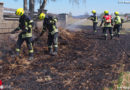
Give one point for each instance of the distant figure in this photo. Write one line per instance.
(108, 23)
(117, 24)
(94, 18)
(25, 25)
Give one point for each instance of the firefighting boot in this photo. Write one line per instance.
(30, 56)
(50, 50)
(105, 36)
(118, 35)
(111, 36)
(55, 51)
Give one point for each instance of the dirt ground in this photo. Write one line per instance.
(85, 61)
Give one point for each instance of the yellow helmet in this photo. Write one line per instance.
(106, 12)
(19, 12)
(116, 13)
(93, 11)
(42, 16)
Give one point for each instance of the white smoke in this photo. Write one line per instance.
(75, 26)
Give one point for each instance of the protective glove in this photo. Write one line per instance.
(14, 31)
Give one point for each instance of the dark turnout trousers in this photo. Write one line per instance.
(28, 42)
(53, 41)
(117, 28)
(105, 29)
(94, 26)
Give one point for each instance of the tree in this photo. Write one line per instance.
(40, 2)
(25, 5)
(31, 6)
(42, 6)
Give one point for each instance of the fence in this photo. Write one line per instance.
(9, 11)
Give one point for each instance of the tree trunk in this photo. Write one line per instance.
(42, 6)
(40, 2)
(25, 6)
(31, 6)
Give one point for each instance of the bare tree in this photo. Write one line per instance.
(40, 2)
(25, 5)
(43, 3)
(42, 6)
(31, 6)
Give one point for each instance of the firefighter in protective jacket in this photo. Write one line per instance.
(50, 25)
(25, 25)
(117, 24)
(108, 23)
(94, 19)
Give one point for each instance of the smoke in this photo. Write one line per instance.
(76, 25)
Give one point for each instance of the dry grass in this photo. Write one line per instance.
(123, 82)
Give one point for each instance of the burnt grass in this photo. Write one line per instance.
(85, 61)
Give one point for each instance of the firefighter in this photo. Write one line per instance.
(108, 23)
(117, 24)
(94, 19)
(25, 25)
(50, 25)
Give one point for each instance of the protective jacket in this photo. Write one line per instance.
(107, 20)
(94, 18)
(50, 25)
(25, 24)
(117, 20)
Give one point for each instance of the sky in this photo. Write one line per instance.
(64, 6)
